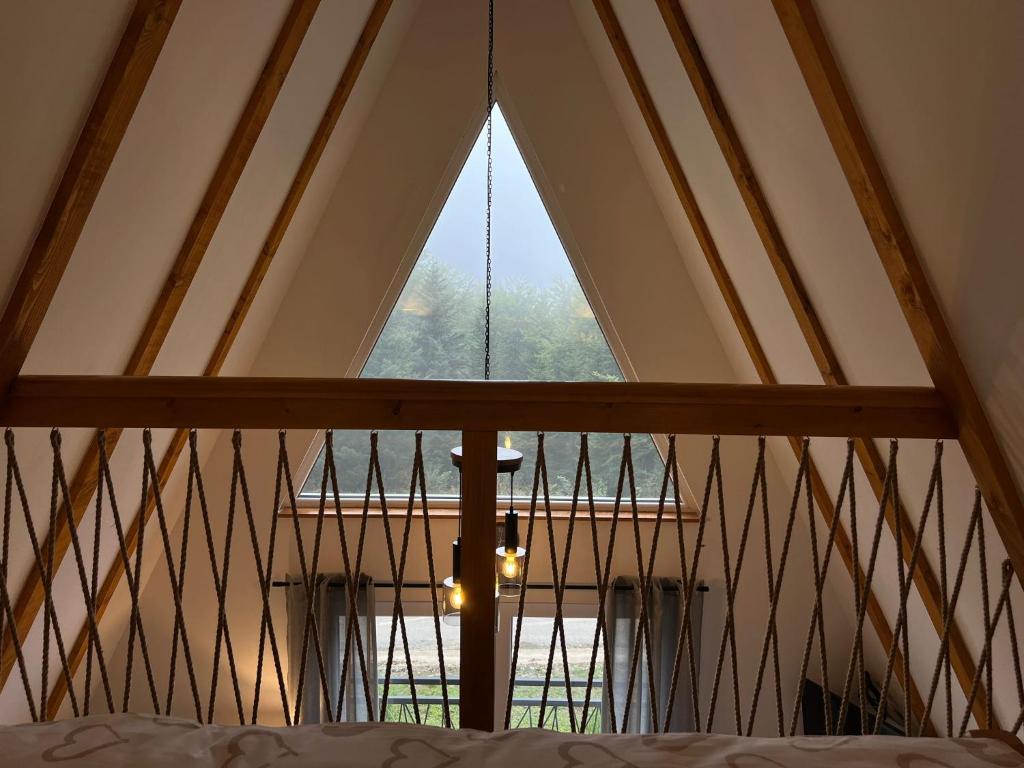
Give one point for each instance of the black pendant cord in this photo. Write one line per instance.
(490, 176)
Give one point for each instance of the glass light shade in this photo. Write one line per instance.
(510, 570)
(454, 599)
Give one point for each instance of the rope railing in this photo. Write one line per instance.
(638, 672)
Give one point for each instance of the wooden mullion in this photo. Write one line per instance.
(811, 327)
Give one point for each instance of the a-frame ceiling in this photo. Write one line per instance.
(936, 88)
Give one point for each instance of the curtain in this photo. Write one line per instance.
(622, 612)
(330, 610)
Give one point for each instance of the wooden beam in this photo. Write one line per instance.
(204, 224)
(813, 331)
(233, 326)
(259, 403)
(477, 619)
(119, 94)
(750, 190)
(906, 273)
(222, 185)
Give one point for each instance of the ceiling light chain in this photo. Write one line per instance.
(490, 179)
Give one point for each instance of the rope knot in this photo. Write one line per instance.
(55, 437)
(147, 437)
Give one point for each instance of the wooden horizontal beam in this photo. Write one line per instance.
(269, 403)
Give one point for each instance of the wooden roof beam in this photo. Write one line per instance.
(112, 110)
(824, 354)
(200, 233)
(248, 294)
(768, 230)
(906, 273)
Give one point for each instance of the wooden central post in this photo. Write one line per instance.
(476, 634)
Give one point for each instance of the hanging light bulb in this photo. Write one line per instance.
(454, 597)
(510, 556)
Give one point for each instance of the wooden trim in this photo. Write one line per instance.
(208, 216)
(118, 96)
(477, 620)
(250, 289)
(268, 403)
(906, 273)
(821, 349)
(722, 126)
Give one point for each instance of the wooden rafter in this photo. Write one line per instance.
(204, 224)
(119, 94)
(813, 331)
(243, 304)
(744, 325)
(906, 273)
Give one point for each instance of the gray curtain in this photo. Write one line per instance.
(622, 612)
(331, 612)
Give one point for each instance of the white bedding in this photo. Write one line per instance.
(139, 740)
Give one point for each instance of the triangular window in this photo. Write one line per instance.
(543, 329)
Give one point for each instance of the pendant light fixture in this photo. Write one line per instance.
(508, 579)
(510, 556)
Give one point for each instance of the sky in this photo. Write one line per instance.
(524, 244)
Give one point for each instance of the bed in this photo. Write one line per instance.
(135, 740)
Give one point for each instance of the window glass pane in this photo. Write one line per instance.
(534, 645)
(425, 670)
(542, 329)
(561, 450)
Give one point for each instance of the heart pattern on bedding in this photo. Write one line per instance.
(78, 744)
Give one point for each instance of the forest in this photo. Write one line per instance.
(537, 334)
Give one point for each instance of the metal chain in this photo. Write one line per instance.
(490, 184)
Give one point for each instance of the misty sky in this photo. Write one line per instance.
(523, 241)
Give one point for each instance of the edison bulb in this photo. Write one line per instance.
(508, 440)
(510, 567)
(457, 597)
